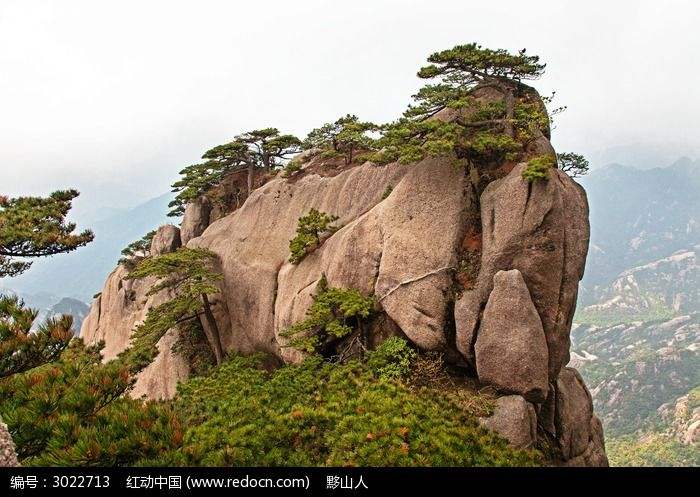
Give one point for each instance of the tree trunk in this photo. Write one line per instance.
(213, 335)
(510, 111)
(251, 169)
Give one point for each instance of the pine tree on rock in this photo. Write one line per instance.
(311, 230)
(574, 165)
(345, 137)
(489, 131)
(189, 275)
(136, 251)
(265, 149)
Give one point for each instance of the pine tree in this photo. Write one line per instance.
(136, 251)
(61, 403)
(267, 149)
(311, 229)
(345, 137)
(334, 314)
(74, 411)
(574, 165)
(22, 349)
(258, 149)
(36, 227)
(187, 274)
(488, 131)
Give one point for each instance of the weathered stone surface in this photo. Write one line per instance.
(401, 248)
(594, 455)
(156, 380)
(8, 456)
(514, 419)
(166, 239)
(574, 412)
(511, 349)
(196, 219)
(541, 229)
(546, 412)
(122, 305)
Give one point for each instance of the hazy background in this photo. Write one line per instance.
(115, 97)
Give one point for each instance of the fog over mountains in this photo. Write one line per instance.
(636, 340)
(645, 226)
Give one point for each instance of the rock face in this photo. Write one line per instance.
(511, 350)
(490, 280)
(540, 229)
(515, 420)
(166, 239)
(195, 219)
(574, 411)
(122, 305)
(401, 249)
(8, 457)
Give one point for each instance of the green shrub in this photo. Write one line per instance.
(292, 167)
(392, 359)
(334, 314)
(538, 168)
(310, 229)
(320, 413)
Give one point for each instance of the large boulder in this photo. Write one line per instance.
(594, 455)
(511, 349)
(8, 456)
(196, 219)
(573, 414)
(515, 420)
(165, 240)
(541, 229)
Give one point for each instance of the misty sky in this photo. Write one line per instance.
(115, 97)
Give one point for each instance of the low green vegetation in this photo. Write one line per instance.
(538, 168)
(292, 167)
(653, 449)
(656, 311)
(392, 360)
(334, 314)
(694, 398)
(311, 230)
(320, 413)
